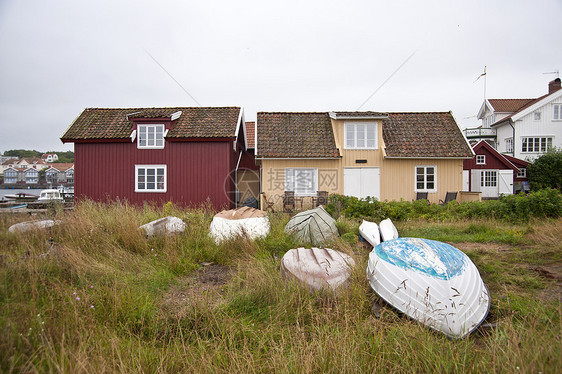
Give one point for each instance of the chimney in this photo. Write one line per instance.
(554, 85)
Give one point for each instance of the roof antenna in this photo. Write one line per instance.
(557, 72)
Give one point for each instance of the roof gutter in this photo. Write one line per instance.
(429, 158)
(298, 158)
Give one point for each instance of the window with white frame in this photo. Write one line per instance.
(509, 145)
(488, 178)
(360, 135)
(10, 177)
(480, 159)
(302, 181)
(150, 136)
(536, 144)
(426, 177)
(537, 116)
(31, 176)
(522, 173)
(150, 178)
(70, 176)
(557, 111)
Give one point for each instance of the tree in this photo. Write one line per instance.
(22, 153)
(546, 171)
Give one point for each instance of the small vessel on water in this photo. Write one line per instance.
(50, 195)
(21, 196)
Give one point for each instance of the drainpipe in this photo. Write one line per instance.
(236, 180)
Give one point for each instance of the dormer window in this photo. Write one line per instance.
(360, 135)
(150, 136)
(480, 159)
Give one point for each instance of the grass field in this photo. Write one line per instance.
(107, 299)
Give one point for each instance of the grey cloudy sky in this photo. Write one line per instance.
(59, 57)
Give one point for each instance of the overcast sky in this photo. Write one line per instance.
(59, 57)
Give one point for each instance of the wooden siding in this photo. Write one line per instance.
(196, 171)
(398, 178)
(373, 157)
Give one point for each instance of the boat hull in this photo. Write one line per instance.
(432, 282)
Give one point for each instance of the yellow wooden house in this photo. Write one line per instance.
(389, 156)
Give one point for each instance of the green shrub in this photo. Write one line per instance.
(515, 208)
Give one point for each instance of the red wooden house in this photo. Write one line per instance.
(184, 155)
(493, 173)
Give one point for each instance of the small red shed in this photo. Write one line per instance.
(185, 155)
(491, 172)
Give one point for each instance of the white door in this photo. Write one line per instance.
(362, 182)
(489, 183)
(465, 185)
(475, 180)
(506, 182)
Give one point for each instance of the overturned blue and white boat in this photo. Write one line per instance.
(430, 281)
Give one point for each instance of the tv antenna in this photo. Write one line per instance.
(557, 72)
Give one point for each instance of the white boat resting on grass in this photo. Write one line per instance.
(245, 221)
(370, 232)
(318, 268)
(430, 281)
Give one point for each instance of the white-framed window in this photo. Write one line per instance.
(150, 136)
(150, 178)
(488, 178)
(522, 173)
(360, 135)
(480, 159)
(536, 144)
(31, 176)
(557, 112)
(537, 116)
(426, 178)
(488, 120)
(509, 145)
(70, 176)
(304, 181)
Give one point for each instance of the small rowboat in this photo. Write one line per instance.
(318, 268)
(245, 221)
(432, 282)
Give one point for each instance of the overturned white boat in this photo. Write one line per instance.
(166, 225)
(432, 282)
(245, 221)
(33, 225)
(370, 232)
(318, 268)
(388, 230)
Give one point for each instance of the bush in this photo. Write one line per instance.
(515, 208)
(546, 171)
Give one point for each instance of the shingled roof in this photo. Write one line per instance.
(424, 135)
(508, 105)
(251, 134)
(295, 135)
(116, 123)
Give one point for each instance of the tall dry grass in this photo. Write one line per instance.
(97, 303)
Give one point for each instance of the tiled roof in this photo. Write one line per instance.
(430, 134)
(523, 107)
(116, 123)
(10, 161)
(295, 135)
(61, 166)
(508, 105)
(251, 134)
(344, 115)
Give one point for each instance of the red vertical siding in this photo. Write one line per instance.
(196, 171)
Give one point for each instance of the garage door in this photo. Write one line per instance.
(362, 182)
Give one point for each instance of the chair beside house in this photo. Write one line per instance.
(289, 201)
(450, 196)
(321, 198)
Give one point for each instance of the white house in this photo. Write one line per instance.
(525, 128)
